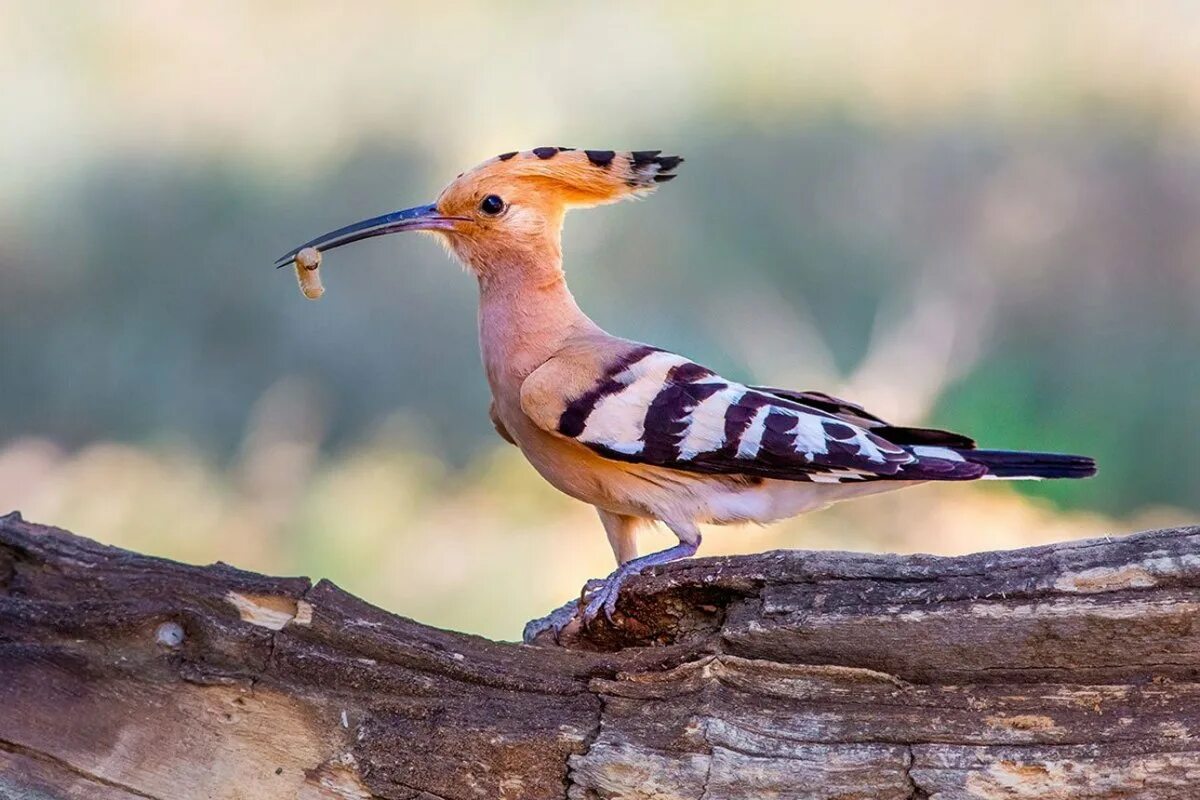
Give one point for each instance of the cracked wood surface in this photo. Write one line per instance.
(1067, 671)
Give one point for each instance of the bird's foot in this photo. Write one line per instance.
(555, 624)
(564, 621)
(590, 588)
(600, 594)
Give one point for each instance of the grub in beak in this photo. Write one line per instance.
(419, 218)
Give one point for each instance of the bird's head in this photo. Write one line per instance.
(510, 208)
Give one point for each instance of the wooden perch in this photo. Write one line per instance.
(1068, 671)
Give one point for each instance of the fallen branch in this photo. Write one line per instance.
(1062, 671)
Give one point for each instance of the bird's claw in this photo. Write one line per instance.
(556, 623)
(600, 595)
(589, 589)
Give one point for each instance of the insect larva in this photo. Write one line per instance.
(308, 263)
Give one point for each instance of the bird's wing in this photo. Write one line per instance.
(648, 406)
(857, 415)
(843, 409)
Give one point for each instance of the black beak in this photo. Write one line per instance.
(421, 218)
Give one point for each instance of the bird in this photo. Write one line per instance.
(642, 434)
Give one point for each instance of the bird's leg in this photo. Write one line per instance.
(604, 597)
(622, 534)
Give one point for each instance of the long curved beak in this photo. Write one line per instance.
(420, 218)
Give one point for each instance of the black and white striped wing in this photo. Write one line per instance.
(658, 408)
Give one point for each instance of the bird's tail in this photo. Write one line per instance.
(1017, 465)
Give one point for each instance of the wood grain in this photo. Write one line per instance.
(1067, 671)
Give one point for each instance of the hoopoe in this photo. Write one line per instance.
(640, 433)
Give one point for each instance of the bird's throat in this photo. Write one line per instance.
(525, 317)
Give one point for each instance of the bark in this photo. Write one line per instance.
(1066, 671)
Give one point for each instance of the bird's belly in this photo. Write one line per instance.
(773, 500)
(611, 485)
(616, 486)
(765, 501)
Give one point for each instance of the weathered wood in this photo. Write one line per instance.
(1068, 671)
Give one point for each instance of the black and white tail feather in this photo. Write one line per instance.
(654, 407)
(1017, 465)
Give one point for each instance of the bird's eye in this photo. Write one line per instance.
(491, 205)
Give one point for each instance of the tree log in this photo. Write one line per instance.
(1065, 671)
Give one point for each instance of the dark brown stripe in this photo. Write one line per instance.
(846, 454)
(507, 156)
(667, 163)
(574, 418)
(689, 372)
(641, 157)
(842, 452)
(601, 158)
(937, 469)
(545, 152)
(777, 438)
(666, 420)
(838, 430)
(927, 436)
(821, 401)
(664, 178)
(737, 420)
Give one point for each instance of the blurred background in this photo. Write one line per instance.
(974, 215)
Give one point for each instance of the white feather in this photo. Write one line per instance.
(706, 427)
(810, 434)
(945, 453)
(752, 436)
(618, 420)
